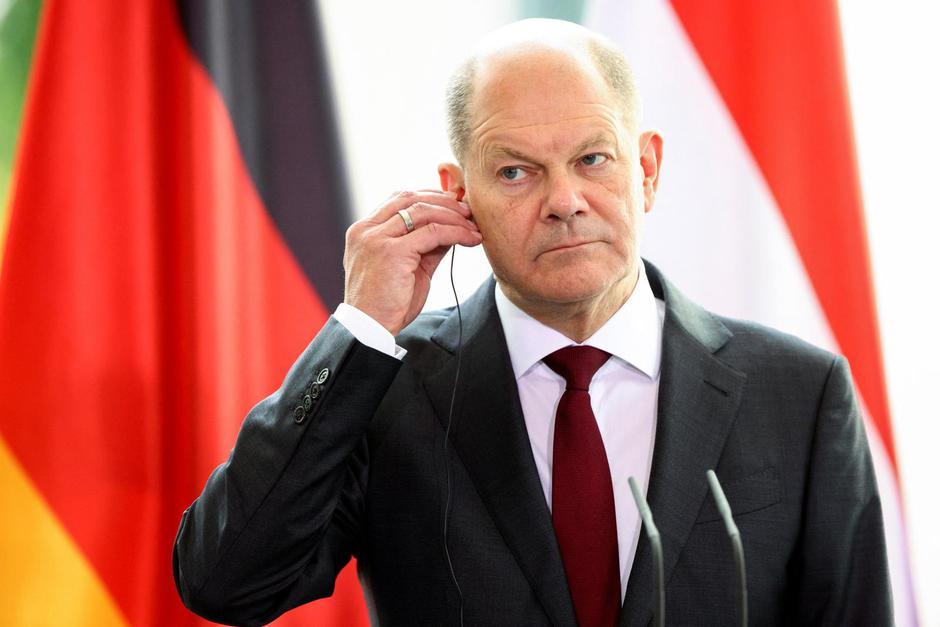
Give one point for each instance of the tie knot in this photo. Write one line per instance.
(577, 364)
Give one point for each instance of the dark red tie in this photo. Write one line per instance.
(582, 493)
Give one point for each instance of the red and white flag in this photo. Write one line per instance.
(759, 213)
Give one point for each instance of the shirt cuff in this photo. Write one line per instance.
(368, 331)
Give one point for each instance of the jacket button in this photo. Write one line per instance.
(323, 375)
(308, 403)
(299, 414)
(314, 391)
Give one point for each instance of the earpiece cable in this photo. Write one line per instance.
(450, 416)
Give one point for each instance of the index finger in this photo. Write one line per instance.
(403, 200)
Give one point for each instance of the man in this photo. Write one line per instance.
(504, 500)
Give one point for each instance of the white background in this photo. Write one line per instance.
(390, 63)
(893, 61)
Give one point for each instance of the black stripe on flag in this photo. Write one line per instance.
(268, 61)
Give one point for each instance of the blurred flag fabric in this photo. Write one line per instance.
(174, 239)
(759, 213)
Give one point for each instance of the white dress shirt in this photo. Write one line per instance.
(624, 392)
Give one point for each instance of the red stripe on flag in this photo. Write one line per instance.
(146, 299)
(780, 71)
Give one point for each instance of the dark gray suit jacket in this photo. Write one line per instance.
(360, 470)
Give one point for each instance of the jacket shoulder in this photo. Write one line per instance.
(756, 344)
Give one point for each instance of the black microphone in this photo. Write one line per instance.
(653, 534)
(735, 536)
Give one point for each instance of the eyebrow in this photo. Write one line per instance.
(599, 138)
(505, 151)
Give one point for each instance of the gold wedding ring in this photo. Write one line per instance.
(406, 218)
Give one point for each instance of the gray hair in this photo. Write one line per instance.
(607, 58)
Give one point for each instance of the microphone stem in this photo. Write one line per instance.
(724, 508)
(652, 533)
(660, 582)
(742, 577)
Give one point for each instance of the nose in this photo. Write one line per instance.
(563, 197)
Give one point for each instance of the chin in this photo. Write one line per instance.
(573, 285)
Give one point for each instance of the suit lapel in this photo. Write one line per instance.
(698, 400)
(490, 438)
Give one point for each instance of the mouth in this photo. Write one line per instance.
(566, 246)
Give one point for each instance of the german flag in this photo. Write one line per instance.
(175, 233)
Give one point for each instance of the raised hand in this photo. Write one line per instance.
(389, 265)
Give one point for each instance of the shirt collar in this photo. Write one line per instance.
(633, 334)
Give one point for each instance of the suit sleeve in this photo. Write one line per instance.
(842, 571)
(277, 522)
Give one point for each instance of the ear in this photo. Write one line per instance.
(651, 159)
(452, 180)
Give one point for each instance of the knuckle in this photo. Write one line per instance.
(367, 239)
(352, 232)
(385, 246)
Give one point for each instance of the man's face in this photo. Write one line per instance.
(555, 179)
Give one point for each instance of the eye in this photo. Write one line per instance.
(512, 173)
(593, 159)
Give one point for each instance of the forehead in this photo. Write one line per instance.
(542, 94)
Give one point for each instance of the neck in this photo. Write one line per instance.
(581, 319)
